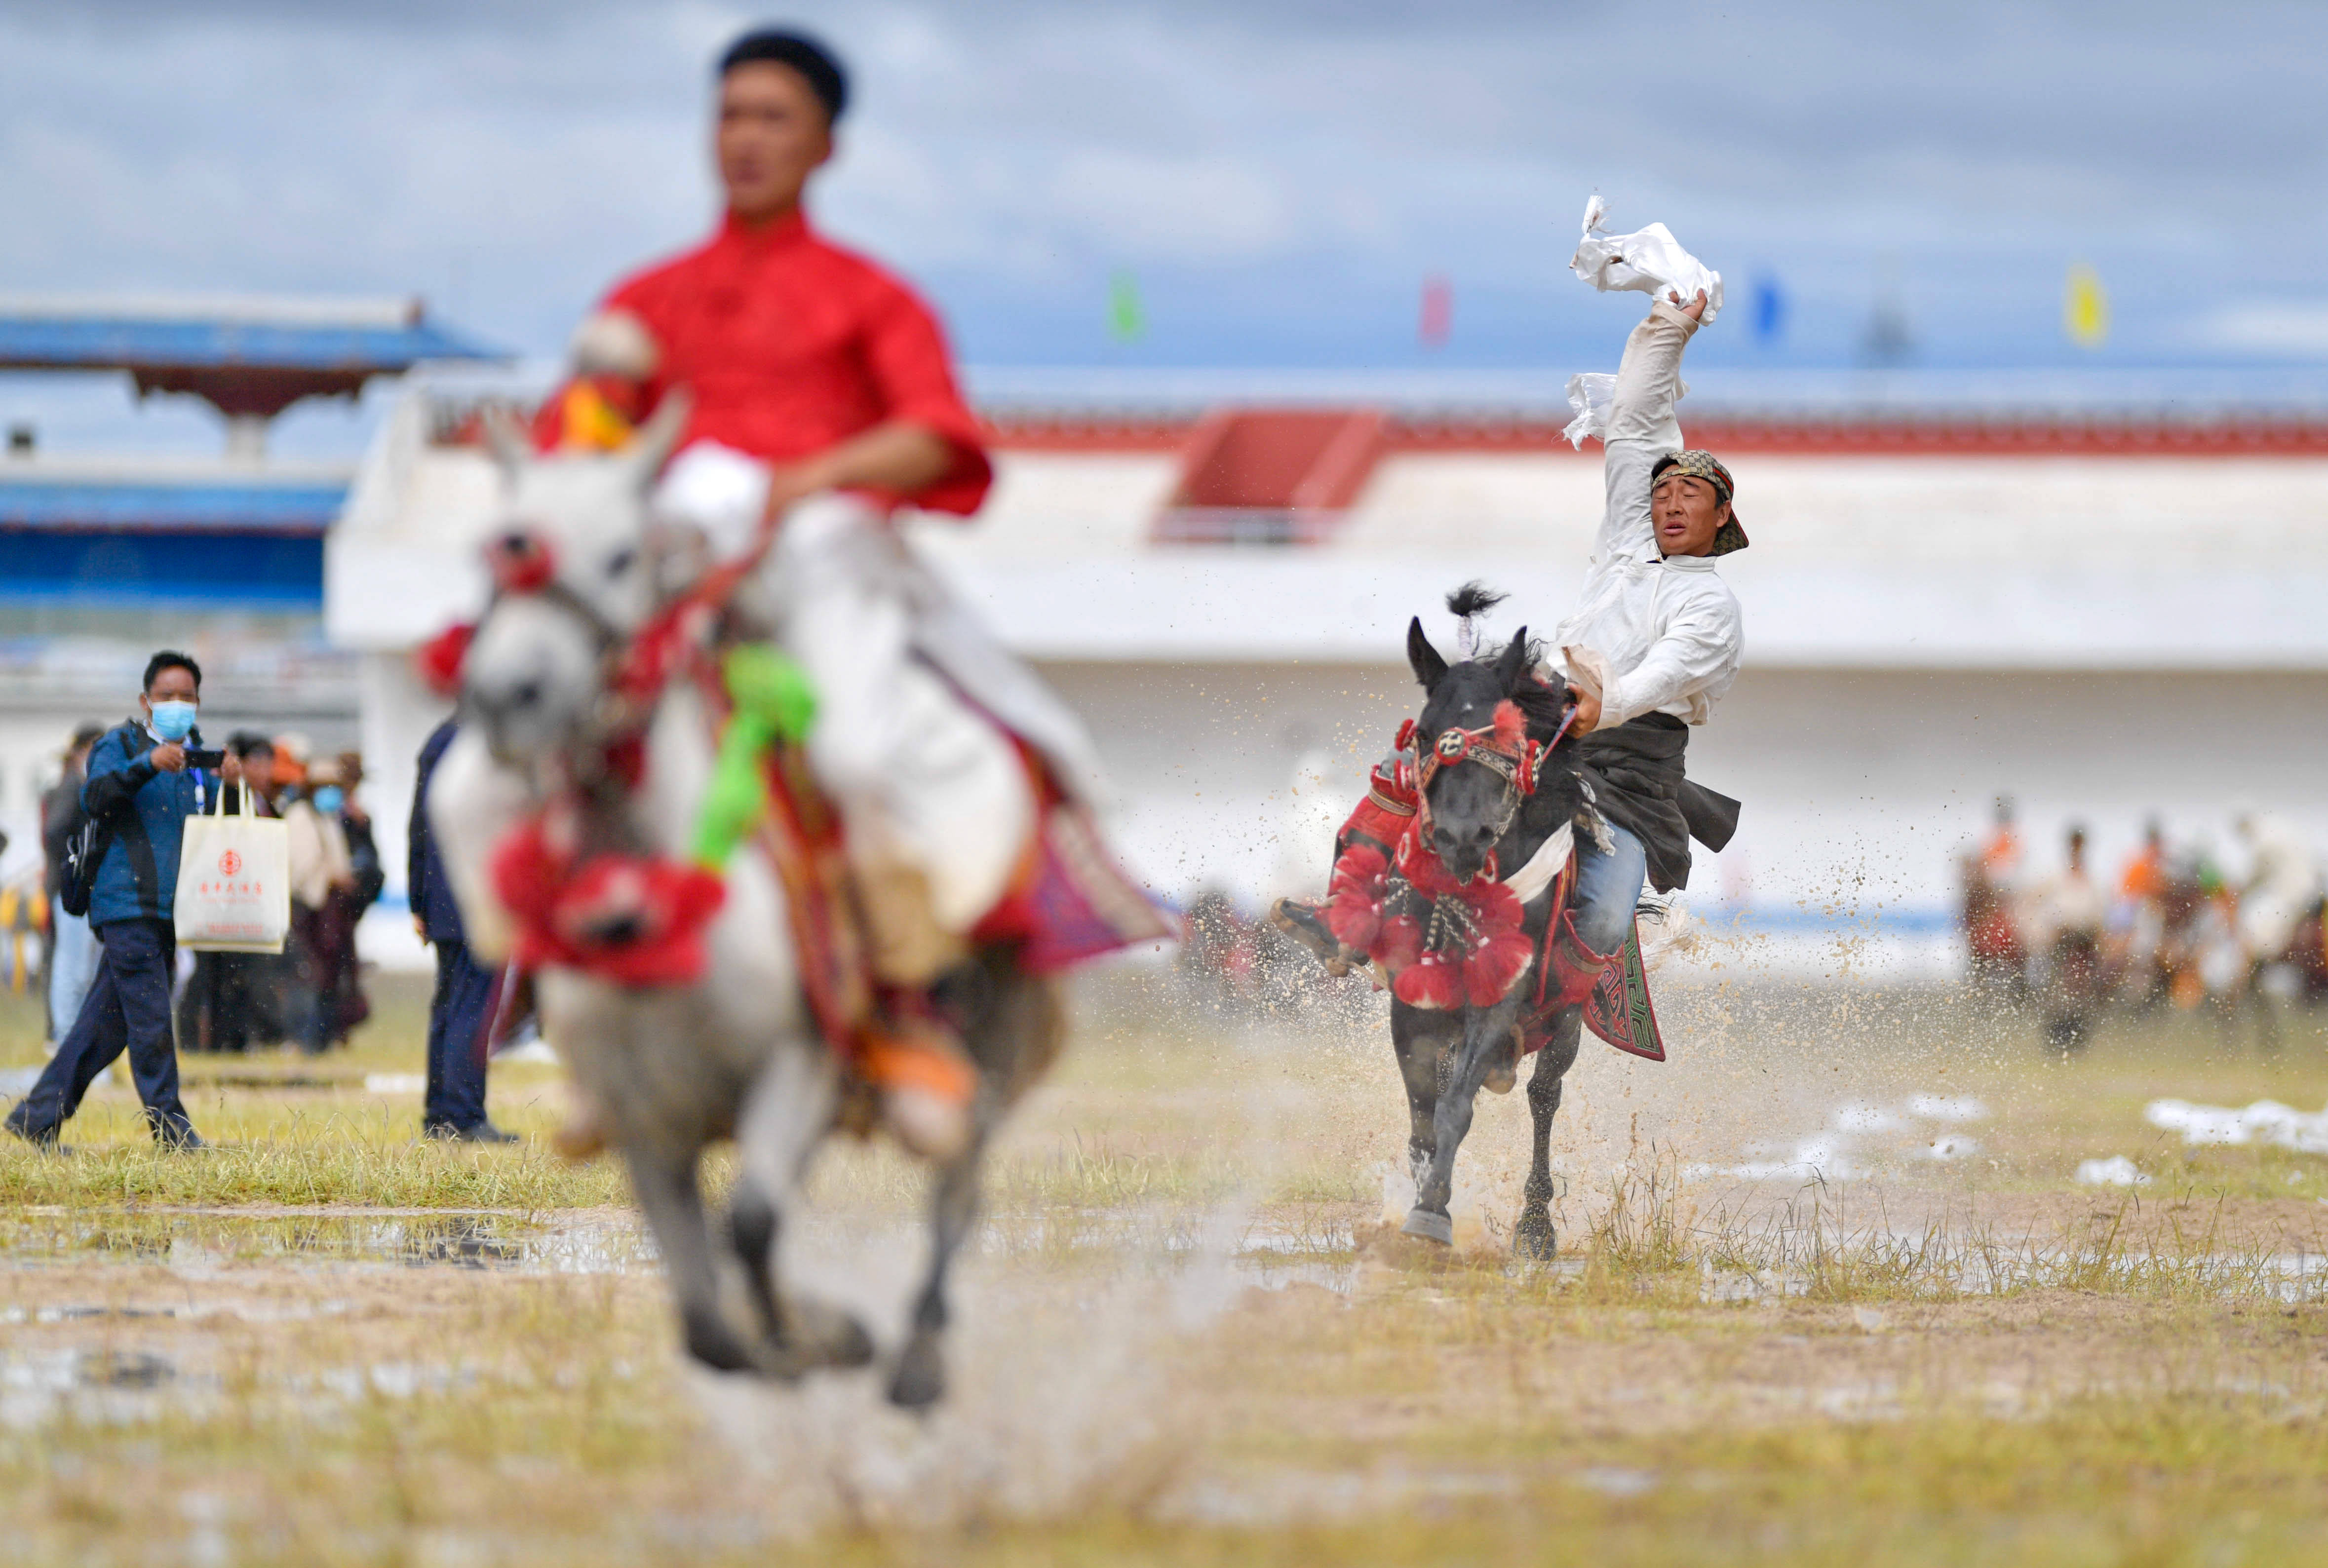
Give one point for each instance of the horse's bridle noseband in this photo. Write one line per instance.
(1515, 762)
(632, 667)
(522, 562)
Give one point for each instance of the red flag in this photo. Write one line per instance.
(1438, 311)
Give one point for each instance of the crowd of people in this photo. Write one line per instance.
(112, 829)
(311, 995)
(2174, 928)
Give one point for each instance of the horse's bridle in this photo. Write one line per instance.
(1493, 746)
(634, 667)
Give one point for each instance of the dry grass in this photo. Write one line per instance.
(1186, 1339)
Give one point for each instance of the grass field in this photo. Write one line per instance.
(1830, 1292)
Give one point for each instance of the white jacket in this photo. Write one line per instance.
(1667, 628)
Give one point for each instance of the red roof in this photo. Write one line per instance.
(1901, 433)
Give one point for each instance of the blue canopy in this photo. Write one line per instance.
(131, 337)
(230, 505)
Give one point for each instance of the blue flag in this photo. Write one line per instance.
(1769, 310)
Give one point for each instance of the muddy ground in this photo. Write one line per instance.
(1830, 1291)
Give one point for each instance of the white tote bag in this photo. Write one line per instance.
(234, 885)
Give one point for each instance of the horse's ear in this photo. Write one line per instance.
(1512, 668)
(1421, 656)
(659, 437)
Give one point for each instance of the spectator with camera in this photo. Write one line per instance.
(146, 778)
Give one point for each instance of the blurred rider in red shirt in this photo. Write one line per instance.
(821, 395)
(797, 353)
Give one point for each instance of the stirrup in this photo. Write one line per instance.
(1301, 923)
(925, 1084)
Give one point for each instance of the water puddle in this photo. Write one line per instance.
(196, 1242)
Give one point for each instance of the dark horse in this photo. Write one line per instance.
(1447, 1054)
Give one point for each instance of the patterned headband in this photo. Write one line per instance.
(1695, 465)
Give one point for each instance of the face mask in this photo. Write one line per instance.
(328, 799)
(174, 719)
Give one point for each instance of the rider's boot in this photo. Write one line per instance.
(1307, 925)
(912, 1057)
(915, 1063)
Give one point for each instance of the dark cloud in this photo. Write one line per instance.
(1279, 174)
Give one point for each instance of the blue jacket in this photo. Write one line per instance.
(147, 810)
(423, 879)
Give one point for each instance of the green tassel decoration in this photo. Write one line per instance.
(774, 701)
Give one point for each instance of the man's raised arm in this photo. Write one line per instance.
(1641, 427)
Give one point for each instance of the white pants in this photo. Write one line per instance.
(918, 703)
(922, 775)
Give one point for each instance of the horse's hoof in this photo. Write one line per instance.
(827, 1336)
(919, 1381)
(712, 1341)
(1432, 1227)
(1534, 1240)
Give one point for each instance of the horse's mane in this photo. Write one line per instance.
(1543, 703)
(1473, 599)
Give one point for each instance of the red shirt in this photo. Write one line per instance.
(790, 346)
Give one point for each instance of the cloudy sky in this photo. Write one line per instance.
(1279, 176)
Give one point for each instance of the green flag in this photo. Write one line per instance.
(1127, 318)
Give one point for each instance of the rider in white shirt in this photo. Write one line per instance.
(1655, 641)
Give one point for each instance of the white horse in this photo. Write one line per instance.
(673, 1068)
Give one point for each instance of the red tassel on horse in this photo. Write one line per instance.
(1354, 904)
(1432, 982)
(1399, 945)
(624, 918)
(439, 661)
(1495, 966)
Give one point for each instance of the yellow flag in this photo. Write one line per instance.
(2085, 309)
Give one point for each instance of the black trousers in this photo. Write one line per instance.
(458, 1017)
(127, 1009)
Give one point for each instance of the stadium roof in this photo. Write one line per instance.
(374, 336)
(247, 356)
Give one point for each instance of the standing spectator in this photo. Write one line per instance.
(2282, 884)
(218, 1010)
(319, 870)
(141, 788)
(1992, 876)
(2063, 916)
(72, 946)
(350, 1006)
(463, 1008)
(2137, 945)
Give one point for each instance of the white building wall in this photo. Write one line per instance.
(2103, 637)
(1860, 787)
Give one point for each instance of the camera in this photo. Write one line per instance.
(211, 760)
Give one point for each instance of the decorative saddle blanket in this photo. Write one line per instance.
(1438, 942)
